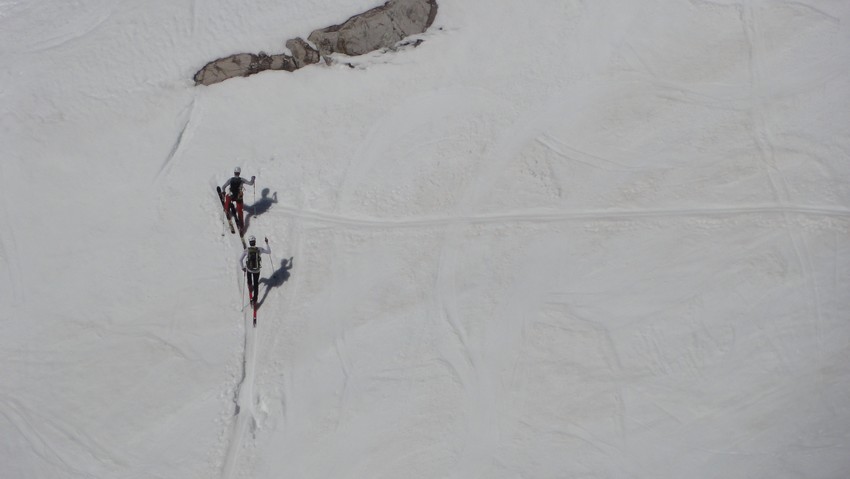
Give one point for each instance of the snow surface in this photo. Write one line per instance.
(568, 239)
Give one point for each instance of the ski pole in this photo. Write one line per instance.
(270, 257)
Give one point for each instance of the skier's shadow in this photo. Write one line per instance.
(277, 279)
(260, 206)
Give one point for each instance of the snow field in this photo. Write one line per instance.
(565, 239)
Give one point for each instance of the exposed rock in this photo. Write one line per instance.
(302, 52)
(242, 65)
(283, 62)
(380, 27)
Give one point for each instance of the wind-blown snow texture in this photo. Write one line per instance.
(604, 239)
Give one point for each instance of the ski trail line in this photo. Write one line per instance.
(559, 216)
(767, 154)
(244, 400)
(272, 314)
(166, 165)
(67, 37)
(244, 390)
(9, 250)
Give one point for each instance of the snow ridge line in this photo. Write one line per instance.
(547, 217)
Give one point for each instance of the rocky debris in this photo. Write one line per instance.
(379, 28)
(283, 62)
(302, 52)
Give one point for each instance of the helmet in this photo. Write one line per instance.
(237, 171)
(252, 240)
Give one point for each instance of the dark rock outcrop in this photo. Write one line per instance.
(380, 27)
(242, 65)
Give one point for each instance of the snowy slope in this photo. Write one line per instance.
(562, 239)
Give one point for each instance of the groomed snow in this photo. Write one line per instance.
(569, 239)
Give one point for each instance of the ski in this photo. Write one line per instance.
(253, 302)
(226, 212)
(239, 225)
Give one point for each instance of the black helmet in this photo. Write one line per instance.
(252, 240)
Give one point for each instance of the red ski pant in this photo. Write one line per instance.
(238, 202)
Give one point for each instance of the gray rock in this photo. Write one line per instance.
(242, 65)
(302, 52)
(380, 27)
(224, 68)
(283, 62)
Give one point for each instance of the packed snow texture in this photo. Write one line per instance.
(604, 239)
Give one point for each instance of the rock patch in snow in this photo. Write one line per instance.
(380, 27)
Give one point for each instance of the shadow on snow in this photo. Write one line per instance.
(276, 279)
(259, 207)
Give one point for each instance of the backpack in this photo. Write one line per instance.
(236, 187)
(254, 258)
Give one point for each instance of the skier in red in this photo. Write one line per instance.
(235, 195)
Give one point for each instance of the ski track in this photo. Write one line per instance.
(805, 6)
(9, 249)
(345, 366)
(358, 169)
(835, 281)
(273, 322)
(560, 216)
(583, 157)
(480, 387)
(42, 448)
(245, 383)
(21, 418)
(246, 398)
(243, 394)
(65, 38)
(270, 320)
(765, 145)
(7, 256)
(169, 160)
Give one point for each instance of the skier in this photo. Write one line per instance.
(235, 195)
(252, 268)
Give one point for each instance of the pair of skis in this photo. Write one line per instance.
(251, 299)
(230, 213)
